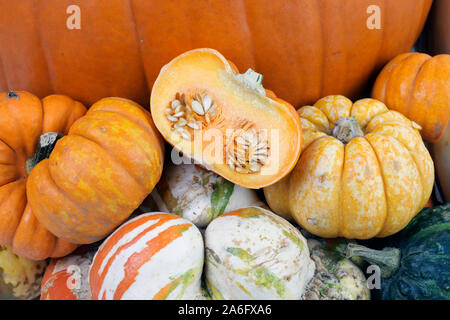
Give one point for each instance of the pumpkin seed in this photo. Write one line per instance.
(197, 107)
(248, 151)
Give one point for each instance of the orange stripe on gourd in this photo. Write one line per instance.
(138, 259)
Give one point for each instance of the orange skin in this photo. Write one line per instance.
(418, 86)
(99, 173)
(304, 49)
(22, 120)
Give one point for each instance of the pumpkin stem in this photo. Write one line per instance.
(252, 80)
(47, 142)
(12, 94)
(347, 128)
(387, 259)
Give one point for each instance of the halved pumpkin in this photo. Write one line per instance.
(225, 120)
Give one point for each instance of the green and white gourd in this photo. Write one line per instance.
(199, 195)
(252, 253)
(335, 277)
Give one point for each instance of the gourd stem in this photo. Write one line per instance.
(387, 259)
(12, 94)
(347, 128)
(47, 142)
(252, 80)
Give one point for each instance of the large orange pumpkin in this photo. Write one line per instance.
(23, 118)
(418, 86)
(363, 172)
(305, 49)
(99, 173)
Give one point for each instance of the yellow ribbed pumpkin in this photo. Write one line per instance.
(363, 171)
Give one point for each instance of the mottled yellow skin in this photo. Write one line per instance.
(99, 173)
(370, 187)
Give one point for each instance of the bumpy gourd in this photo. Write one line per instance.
(335, 277)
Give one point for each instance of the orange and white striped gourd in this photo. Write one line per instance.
(67, 278)
(153, 256)
(363, 172)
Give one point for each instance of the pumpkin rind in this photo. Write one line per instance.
(99, 173)
(418, 86)
(370, 187)
(305, 49)
(23, 118)
(151, 257)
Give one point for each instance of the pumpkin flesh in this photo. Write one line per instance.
(238, 109)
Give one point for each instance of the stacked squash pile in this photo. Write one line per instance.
(222, 190)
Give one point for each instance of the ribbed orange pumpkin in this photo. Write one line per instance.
(23, 118)
(418, 86)
(99, 173)
(363, 172)
(305, 49)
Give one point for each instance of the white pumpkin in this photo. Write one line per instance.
(252, 253)
(199, 195)
(153, 256)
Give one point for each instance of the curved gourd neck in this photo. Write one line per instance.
(387, 259)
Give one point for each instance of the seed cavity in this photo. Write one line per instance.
(247, 151)
(190, 114)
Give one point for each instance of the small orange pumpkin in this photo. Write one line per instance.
(363, 172)
(418, 86)
(99, 173)
(23, 119)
